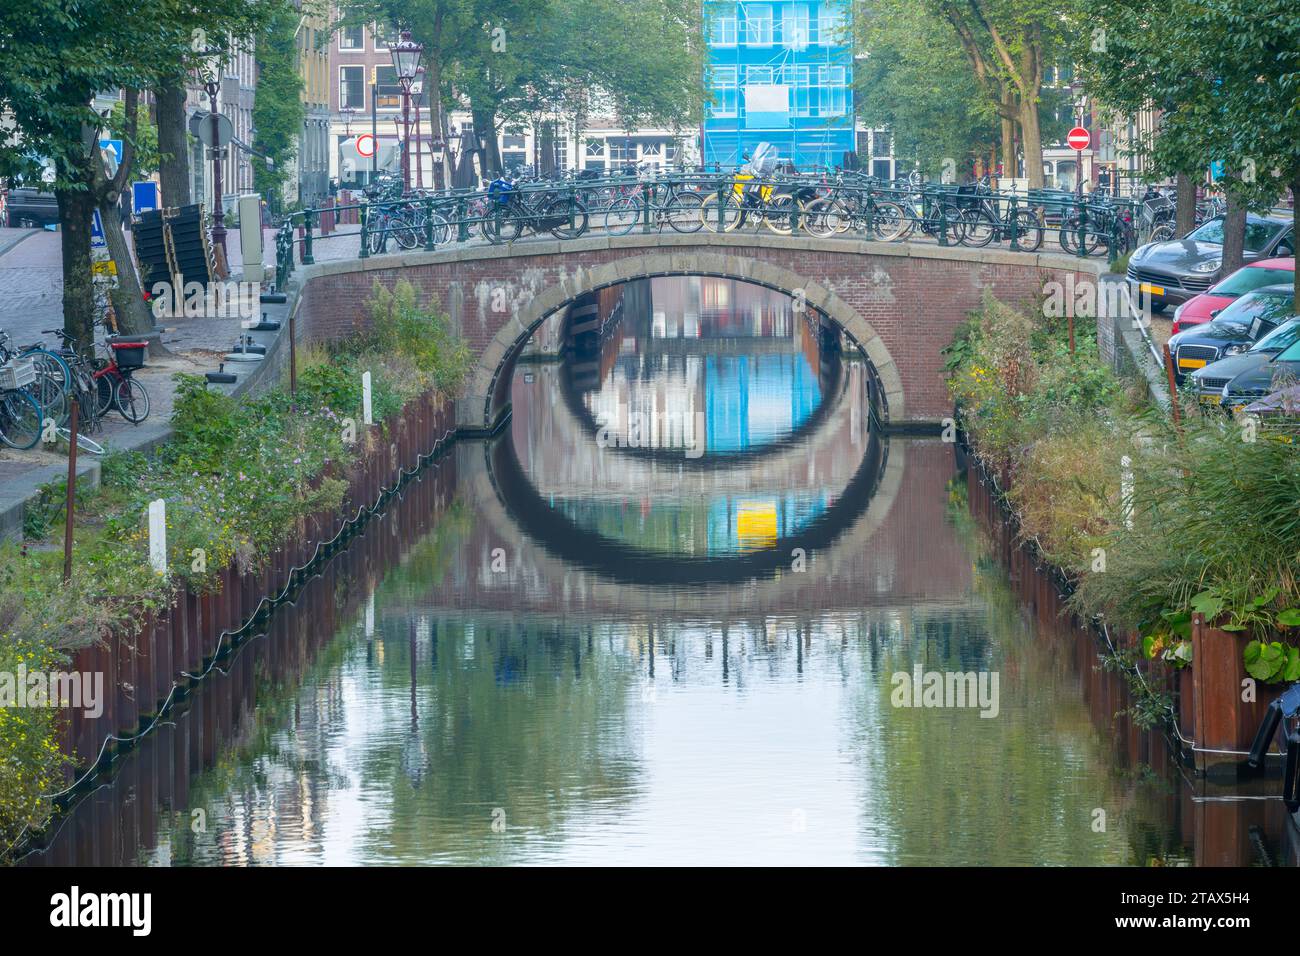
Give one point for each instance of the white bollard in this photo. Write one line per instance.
(158, 535)
(1126, 490)
(365, 399)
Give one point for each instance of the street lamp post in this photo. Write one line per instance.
(212, 84)
(406, 61)
(1081, 101)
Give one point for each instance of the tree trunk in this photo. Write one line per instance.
(1009, 147)
(76, 209)
(485, 127)
(546, 162)
(173, 144)
(1185, 213)
(1234, 237)
(133, 316)
(1033, 142)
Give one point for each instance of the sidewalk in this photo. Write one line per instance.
(31, 291)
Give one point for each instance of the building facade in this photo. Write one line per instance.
(313, 42)
(365, 97)
(780, 72)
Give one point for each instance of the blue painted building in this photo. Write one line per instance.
(780, 72)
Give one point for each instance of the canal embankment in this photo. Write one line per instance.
(1173, 535)
(175, 553)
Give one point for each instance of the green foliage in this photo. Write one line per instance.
(423, 335)
(278, 109)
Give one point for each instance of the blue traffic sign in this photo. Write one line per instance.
(144, 197)
(97, 240)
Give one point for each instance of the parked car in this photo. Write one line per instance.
(1171, 273)
(1212, 382)
(1234, 329)
(28, 207)
(1208, 304)
(1281, 371)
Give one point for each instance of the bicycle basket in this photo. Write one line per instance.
(129, 354)
(17, 373)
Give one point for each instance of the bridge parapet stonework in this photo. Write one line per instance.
(900, 302)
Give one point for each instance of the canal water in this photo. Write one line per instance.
(694, 606)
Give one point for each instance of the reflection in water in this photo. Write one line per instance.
(504, 668)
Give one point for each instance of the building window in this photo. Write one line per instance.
(652, 150)
(794, 27)
(725, 92)
(621, 152)
(561, 154)
(514, 162)
(722, 31)
(352, 38)
(381, 33)
(513, 139)
(830, 24)
(388, 91)
(880, 143)
(758, 25)
(352, 88)
(882, 169)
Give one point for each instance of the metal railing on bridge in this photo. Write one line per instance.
(822, 205)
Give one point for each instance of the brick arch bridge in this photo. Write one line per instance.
(900, 302)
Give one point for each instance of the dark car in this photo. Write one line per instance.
(28, 207)
(1212, 381)
(1170, 273)
(1280, 371)
(1239, 324)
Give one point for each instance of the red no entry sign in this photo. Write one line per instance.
(1079, 138)
(366, 144)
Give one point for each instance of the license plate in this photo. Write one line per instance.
(1211, 399)
(1191, 363)
(1150, 289)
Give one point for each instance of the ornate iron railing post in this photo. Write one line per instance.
(428, 223)
(1013, 223)
(309, 223)
(365, 231)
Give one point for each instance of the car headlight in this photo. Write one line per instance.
(1235, 349)
(1225, 390)
(1209, 265)
(1178, 312)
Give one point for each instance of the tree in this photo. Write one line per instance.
(915, 81)
(278, 109)
(520, 60)
(1225, 75)
(1009, 44)
(55, 57)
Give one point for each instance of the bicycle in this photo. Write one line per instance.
(21, 417)
(114, 386)
(680, 209)
(510, 212)
(983, 221)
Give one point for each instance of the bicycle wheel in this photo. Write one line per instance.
(825, 217)
(575, 217)
(1028, 230)
(1162, 233)
(683, 212)
(20, 420)
(709, 213)
(979, 228)
(105, 387)
(377, 239)
(779, 214)
(889, 222)
(131, 400)
(406, 233)
(441, 228)
(500, 225)
(622, 215)
(84, 443)
(50, 388)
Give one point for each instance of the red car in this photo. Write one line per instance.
(1209, 303)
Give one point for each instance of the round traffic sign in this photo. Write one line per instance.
(1079, 138)
(366, 145)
